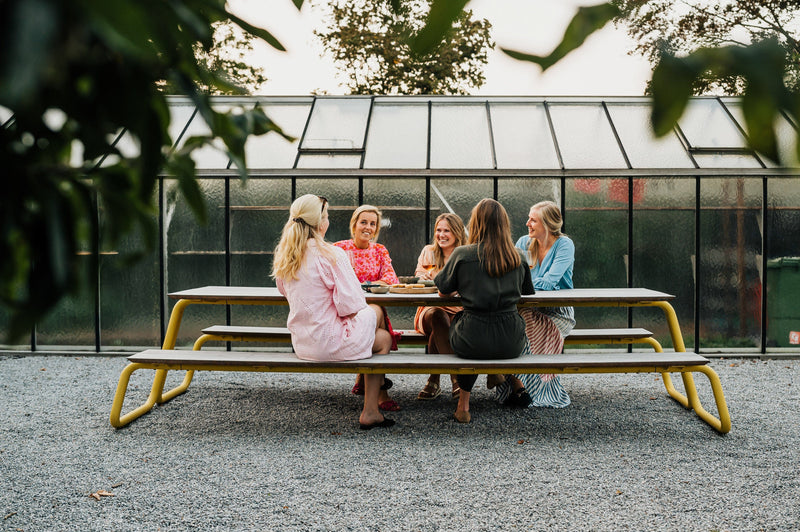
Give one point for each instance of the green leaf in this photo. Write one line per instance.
(298, 4)
(182, 166)
(440, 19)
(671, 87)
(585, 22)
(258, 32)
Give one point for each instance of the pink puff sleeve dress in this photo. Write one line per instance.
(328, 315)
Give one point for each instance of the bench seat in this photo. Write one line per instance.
(419, 363)
(239, 333)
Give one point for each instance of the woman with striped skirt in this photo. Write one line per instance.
(551, 257)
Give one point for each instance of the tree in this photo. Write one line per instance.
(662, 27)
(227, 59)
(74, 76)
(367, 42)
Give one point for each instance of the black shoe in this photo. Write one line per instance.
(385, 424)
(518, 399)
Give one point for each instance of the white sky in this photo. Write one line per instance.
(601, 67)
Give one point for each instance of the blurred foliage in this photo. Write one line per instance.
(659, 27)
(75, 76)
(226, 59)
(368, 41)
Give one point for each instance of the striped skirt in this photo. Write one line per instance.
(544, 337)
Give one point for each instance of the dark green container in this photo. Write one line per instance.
(783, 301)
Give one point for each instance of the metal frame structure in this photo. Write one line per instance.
(495, 170)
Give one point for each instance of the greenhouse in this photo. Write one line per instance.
(695, 214)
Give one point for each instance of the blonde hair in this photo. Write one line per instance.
(550, 217)
(490, 227)
(305, 216)
(358, 212)
(456, 228)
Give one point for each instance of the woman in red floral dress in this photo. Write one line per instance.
(372, 263)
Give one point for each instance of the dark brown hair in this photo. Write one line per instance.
(490, 228)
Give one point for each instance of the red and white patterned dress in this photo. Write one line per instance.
(371, 264)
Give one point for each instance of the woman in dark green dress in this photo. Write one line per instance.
(490, 275)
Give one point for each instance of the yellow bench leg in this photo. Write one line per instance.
(156, 394)
(692, 401)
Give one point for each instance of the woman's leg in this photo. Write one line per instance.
(466, 382)
(381, 346)
(370, 415)
(434, 321)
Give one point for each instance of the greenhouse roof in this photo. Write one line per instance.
(471, 135)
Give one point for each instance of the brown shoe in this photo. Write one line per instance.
(493, 380)
(462, 417)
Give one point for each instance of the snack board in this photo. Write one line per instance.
(412, 289)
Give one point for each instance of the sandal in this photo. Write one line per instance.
(430, 391)
(390, 405)
(358, 387)
(456, 388)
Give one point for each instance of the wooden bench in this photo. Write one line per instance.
(237, 333)
(417, 363)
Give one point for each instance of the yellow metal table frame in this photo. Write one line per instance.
(624, 297)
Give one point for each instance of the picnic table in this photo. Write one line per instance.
(679, 361)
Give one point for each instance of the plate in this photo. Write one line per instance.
(403, 290)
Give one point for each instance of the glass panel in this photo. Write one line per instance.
(402, 202)
(129, 294)
(788, 138)
(272, 150)
(518, 195)
(326, 160)
(600, 233)
(787, 135)
(337, 123)
(179, 116)
(663, 252)
(522, 137)
(585, 138)
(23, 343)
(342, 194)
(259, 210)
(730, 240)
(461, 194)
(707, 125)
(727, 160)
(644, 150)
(71, 323)
(783, 276)
(398, 137)
(195, 253)
(460, 137)
(210, 156)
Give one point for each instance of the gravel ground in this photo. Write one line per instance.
(250, 451)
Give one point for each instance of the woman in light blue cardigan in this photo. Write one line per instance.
(551, 256)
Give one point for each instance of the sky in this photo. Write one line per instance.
(601, 67)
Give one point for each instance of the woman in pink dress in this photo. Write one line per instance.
(329, 318)
(372, 263)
